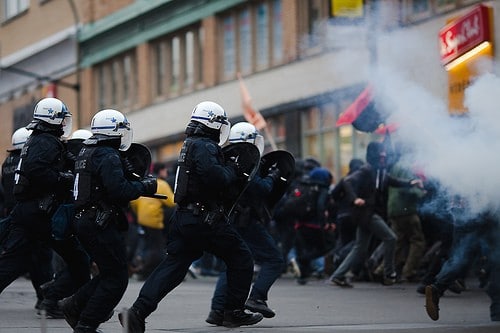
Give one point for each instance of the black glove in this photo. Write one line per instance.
(274, 173)
(66, 178)
(150, 184)
(129, 168)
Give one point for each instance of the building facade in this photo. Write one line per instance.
(303, 62)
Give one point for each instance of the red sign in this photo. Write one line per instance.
(464, 33)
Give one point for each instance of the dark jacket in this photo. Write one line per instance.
(371, 185)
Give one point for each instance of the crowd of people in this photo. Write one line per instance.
(222, 210)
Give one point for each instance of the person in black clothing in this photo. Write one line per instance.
(311, 227)
(101, 194)
(200, 223)
(366, 189)
(345, 226)
(251, 218)
(41, 269)
(42, 183)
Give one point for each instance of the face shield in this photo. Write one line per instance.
(259, 143)
(224, 132)
(126, 137)
(67, 126)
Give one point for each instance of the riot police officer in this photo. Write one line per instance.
(200, 224)
(250, 218)
(41, 270)
(101, 194)
(41, 184)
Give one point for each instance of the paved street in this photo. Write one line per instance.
(315, 307)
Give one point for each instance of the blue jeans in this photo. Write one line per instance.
(375, 227)
(265, 253)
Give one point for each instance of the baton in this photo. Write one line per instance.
(156, 196)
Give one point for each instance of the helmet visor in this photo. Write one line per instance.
(67, 126)
(224, 132)
(127, 137)
(259, 143)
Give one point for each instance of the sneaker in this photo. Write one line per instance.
(70, 311)
(432, 302)
(215, 317)
(132, 321)
(51, 309)
(260, 306)
(341, 282)
(390, 279)
(237, 318)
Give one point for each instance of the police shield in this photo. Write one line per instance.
(245, 154)
(138, 159)
(285, 163)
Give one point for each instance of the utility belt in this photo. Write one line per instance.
(209, 215)
(102, 214)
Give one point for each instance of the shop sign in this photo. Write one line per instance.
(464, 33)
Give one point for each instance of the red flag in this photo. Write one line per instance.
(356, 108)
(251, 115)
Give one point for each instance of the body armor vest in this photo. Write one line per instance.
(23, 186)
(86, 189)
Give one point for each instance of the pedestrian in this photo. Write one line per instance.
(251, 217)
(101, 193)
(404, 220)
(309, 204)
(344, 225)
(150, 217)
(363, 189)
(471, 234)
(200, 223)
(42, 183)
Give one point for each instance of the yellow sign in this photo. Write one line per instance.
(346, 8)
(462, 73)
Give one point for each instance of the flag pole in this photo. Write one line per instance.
(252, 115)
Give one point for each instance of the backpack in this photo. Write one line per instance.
(301, 201)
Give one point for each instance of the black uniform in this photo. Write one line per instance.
(41, 185)
(102, 192)
(198, 225)
(41, 268)
(251, 218)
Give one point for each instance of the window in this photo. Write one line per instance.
(277, 36)
(229, 47)
(13, 8)
(177, 64)
(416, 10)
(115, 82)
(262, 36)
(252, 38)
(245, 42)
(312, 25)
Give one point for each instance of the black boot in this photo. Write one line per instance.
(236, 318)
(215, 317)
(132, 321)
(260, 306)
(70, 310)
(51, 309)
(81, 328)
